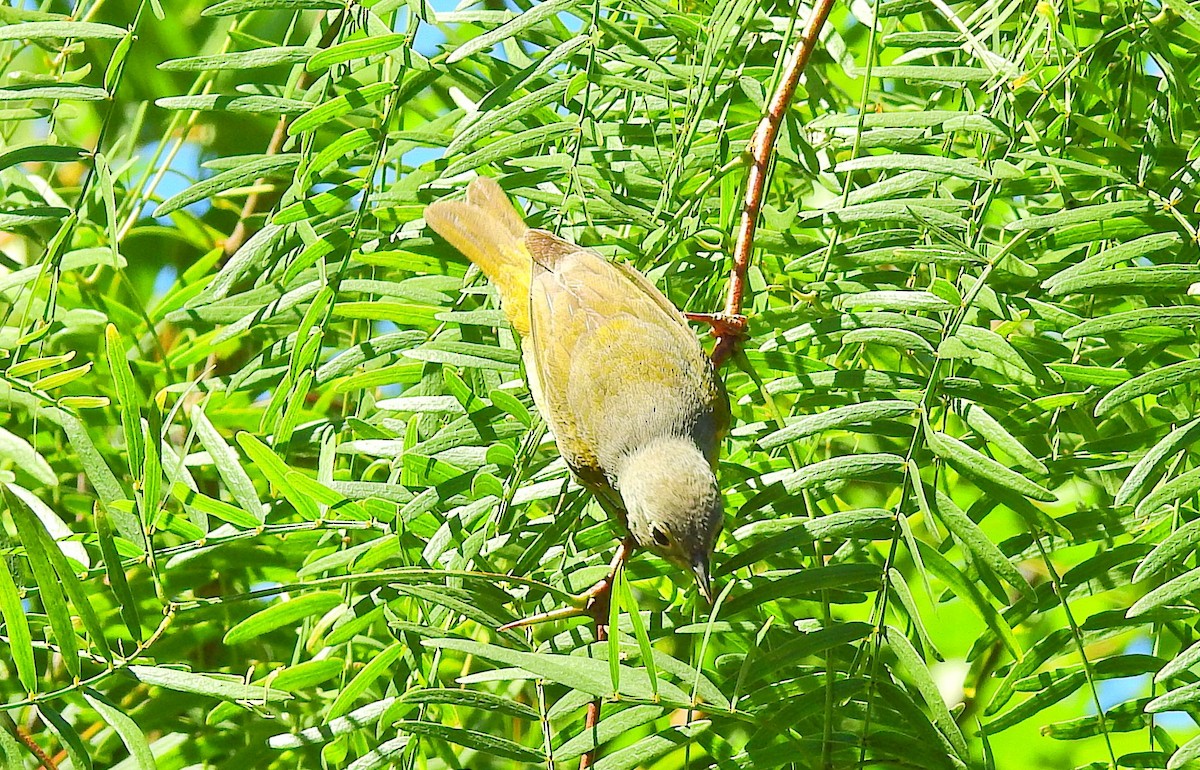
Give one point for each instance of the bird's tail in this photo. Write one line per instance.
(489, 231)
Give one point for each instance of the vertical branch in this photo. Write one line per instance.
(729, 324)
(254, 201)
(592, 718)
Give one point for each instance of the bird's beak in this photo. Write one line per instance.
(700, 570)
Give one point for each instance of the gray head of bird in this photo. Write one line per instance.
(673, 505)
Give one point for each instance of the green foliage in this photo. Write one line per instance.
(271, 488)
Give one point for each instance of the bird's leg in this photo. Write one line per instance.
(593, 602)
(723, 324)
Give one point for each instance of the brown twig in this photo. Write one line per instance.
(592, 718)
(255, 200)
(22, 735)
(729, 324)
(598, 607)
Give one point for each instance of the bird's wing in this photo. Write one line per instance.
(489, 232)
(615, 362)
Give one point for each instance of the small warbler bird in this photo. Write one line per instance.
(636, 407)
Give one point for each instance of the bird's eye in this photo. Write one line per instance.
(661, 537)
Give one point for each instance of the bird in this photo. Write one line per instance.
(636, 407)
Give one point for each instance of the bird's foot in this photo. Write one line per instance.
(593, 602)
(723, 324)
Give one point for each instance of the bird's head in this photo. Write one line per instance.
(673, 505)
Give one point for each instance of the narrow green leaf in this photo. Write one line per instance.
(338, 106)
(488, 122)
(854, 414)
(354, 689)
(271, 56)
(116, 572)
(979, 466)
(229, 466)
(128, 731)
(486, 743)
(235, 7)
(256, 104)
(20, 643)
(610, 727)
(232, 514)
(513, 27)
(977, 542)
(242, 174)
(1151, 382)
(1083, 214)
(652, 748)
(282, 614)
(62, 30)
(1172, 591)
(210, 686)
(354, 49)
(912, 665)
(987, 427)
(128, 397)
(276, 472)
(355, 720)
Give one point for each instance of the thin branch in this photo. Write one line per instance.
(254, 201)
(592, 718)
(27, 740)
(730, 324)
(598, 608)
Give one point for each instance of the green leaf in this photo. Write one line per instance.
(115, 571)
(990, 429)
(20, 643)
(517, 144)
(41, 153)
(210, 686)
(355, 720)
(338, 106)
(965, 589)
(354, 49)
(228, 465)
(608, 728)
(232, 514)
(129, 732)
(1151, 382)
(256, 104)
(854, 414)
(587, 675)
(243, 174)
(276, 471)
(956, 167)
(1083, 214)
(534, 15)
(897, 300)
(62, 30)
(282, 614)
(979, 466)
(653, 748)
(57, 582)
(235, 7)
(974, 540)
(1170, 317)
(23, 456)
(488, 744)
(488, 122)
(271, 56)
(1167, 593)
(379, 664)
(912, 665)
